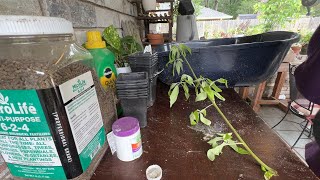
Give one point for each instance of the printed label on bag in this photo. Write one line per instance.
(26, 143)
(82, 108)
(51, 133)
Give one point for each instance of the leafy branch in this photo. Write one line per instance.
(207, 89)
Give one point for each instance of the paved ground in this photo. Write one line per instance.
(288, 131)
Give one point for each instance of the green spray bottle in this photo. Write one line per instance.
(103, 59)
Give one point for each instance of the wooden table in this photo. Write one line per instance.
(169, 142)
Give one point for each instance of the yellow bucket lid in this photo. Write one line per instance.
(94, 40)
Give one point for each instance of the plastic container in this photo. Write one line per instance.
(130, 78)
(143, 58)
(103, 59)
(132, 89)
(152, 91)
(154, 172)
(144, 62)
(243, 61)
(44, 71)
(151, 70)
(127, 138)
(135, 106)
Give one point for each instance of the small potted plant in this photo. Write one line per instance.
(121, 47)
(155, 38)
(296, 48)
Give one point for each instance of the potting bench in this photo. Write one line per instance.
(169, 141)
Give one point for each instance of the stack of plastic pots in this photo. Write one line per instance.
(132, 90)
(146, 62)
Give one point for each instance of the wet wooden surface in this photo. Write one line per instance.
(169, 141)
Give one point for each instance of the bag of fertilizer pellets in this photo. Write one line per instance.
(54, 114)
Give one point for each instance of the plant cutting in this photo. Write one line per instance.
(121, 47)
(208, 89)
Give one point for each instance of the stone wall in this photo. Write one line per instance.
(84, 14)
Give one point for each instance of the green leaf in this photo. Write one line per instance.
(215, 87)
(194, 118)
(268, 175)
(184, 47)
(171, 87)
(201, 96)
(174, 95)
(242, 151)
(219, 96)
(227, 136)
(223, 81)
(232, 144)
(204, 112)
(263, 169)
(188, 79)
(237, 148)
(210, 93)
(214, 142)
(218, 149)
(179, 67)
(186, 90)
(111, 36)
(211, 155)
(204, 84)
(204, 120)
(173, 67)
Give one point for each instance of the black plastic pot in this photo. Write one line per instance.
(133, 90)
(135, 107)
(243, 61)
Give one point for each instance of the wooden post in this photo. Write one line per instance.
(258, 96)
(281, 77)
(244, 92)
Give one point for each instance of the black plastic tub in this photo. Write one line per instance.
(243, 61)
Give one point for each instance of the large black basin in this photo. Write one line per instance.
(243, 61)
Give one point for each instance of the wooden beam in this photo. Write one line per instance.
(281, 77)
(284, 67)
(268, 102)
(258, 96)
(244, 92)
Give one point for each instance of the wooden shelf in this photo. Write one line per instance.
(149, 17)
(153, 18)
(158, 10)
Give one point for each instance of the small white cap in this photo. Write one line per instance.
(154, 172)
(33, 25)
